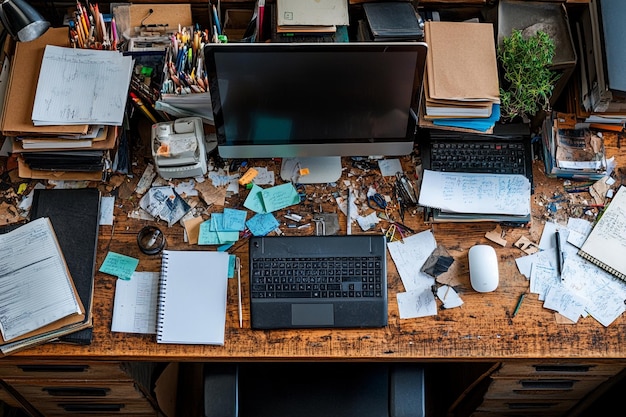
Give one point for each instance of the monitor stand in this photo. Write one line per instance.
(322, 169)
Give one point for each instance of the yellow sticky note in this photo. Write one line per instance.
(304, 171)
(248, 176)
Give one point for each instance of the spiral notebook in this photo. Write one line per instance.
(191, 307)
(606, 244)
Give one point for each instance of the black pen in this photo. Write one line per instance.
(559, 254)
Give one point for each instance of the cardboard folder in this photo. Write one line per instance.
(20, 94)
(461, 63)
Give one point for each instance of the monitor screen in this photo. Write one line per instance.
(299, 101)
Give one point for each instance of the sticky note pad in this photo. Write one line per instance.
(248, 176)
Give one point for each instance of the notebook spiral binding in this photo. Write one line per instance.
(161, 296)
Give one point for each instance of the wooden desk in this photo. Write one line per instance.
(482, 330)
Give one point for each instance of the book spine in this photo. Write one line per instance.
(161, 296)
(602, 265)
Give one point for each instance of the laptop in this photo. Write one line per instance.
(318, 281)
(508, 150)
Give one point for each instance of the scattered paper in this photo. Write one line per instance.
(449, 297)
(417, 303)
(135, 304)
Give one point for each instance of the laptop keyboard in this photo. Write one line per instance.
(342, 277)
(491, 157)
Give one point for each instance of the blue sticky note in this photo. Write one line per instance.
(234, 219)
(119, 265)
(232, 261)
(254, 201)
(262, 223)
(279, 197)
(207, 236)
(217, 222)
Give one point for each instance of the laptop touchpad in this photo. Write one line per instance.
(312, 315)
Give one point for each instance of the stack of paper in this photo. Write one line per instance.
(66, 124)
(461, 84)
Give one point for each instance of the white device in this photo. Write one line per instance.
(178, 148)
(483, 266)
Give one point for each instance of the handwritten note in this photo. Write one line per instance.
(262, 223)
(135, 304)
(409, 258)
(476, 193)
(82, 86)
(271, 199)
(119, 265)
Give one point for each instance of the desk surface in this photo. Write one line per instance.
(482, 329)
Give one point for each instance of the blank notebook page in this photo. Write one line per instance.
(192, 297)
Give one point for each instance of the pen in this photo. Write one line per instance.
(238, 265)
(559, 254)
(519, 304)
(348, 215)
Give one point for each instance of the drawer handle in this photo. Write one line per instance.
(76, 391)
(530, 406)
(53, 368)
(573, 368)
(90, 408)
(563, 384)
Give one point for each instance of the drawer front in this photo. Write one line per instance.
(569, 369)
(541, 388)
(522, 407)
(85, 408)
(59, 390)
(64, 370)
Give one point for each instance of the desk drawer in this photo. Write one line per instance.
(544, 408)
(87, 408)
(45, 390)
(570, 369)
(52, 397)
(541, 388)
(64, 370)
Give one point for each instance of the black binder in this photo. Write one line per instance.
(393, 21)
(75, 216)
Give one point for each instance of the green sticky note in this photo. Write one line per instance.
(279, 197)
(119, 265)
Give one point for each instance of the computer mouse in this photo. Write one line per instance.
(483, 266)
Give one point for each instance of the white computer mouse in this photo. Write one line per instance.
(483, 266)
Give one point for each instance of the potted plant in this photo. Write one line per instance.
(527, 80)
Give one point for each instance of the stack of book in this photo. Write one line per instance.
(461, 89)
(64, 120)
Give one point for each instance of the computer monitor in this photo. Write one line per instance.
(312, 103)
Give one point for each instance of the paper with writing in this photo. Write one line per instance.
(476, 193)
(81, 86)
(409, 258)
(135, 304)
(36, 285)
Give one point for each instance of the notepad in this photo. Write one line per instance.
(606, 244)
(191, 307)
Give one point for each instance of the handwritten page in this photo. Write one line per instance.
(36, 286)
(81, 86)
(476, 193)
(606, 244)
(409, 258)
(135, 304)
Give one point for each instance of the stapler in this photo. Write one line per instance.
(178, 148)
